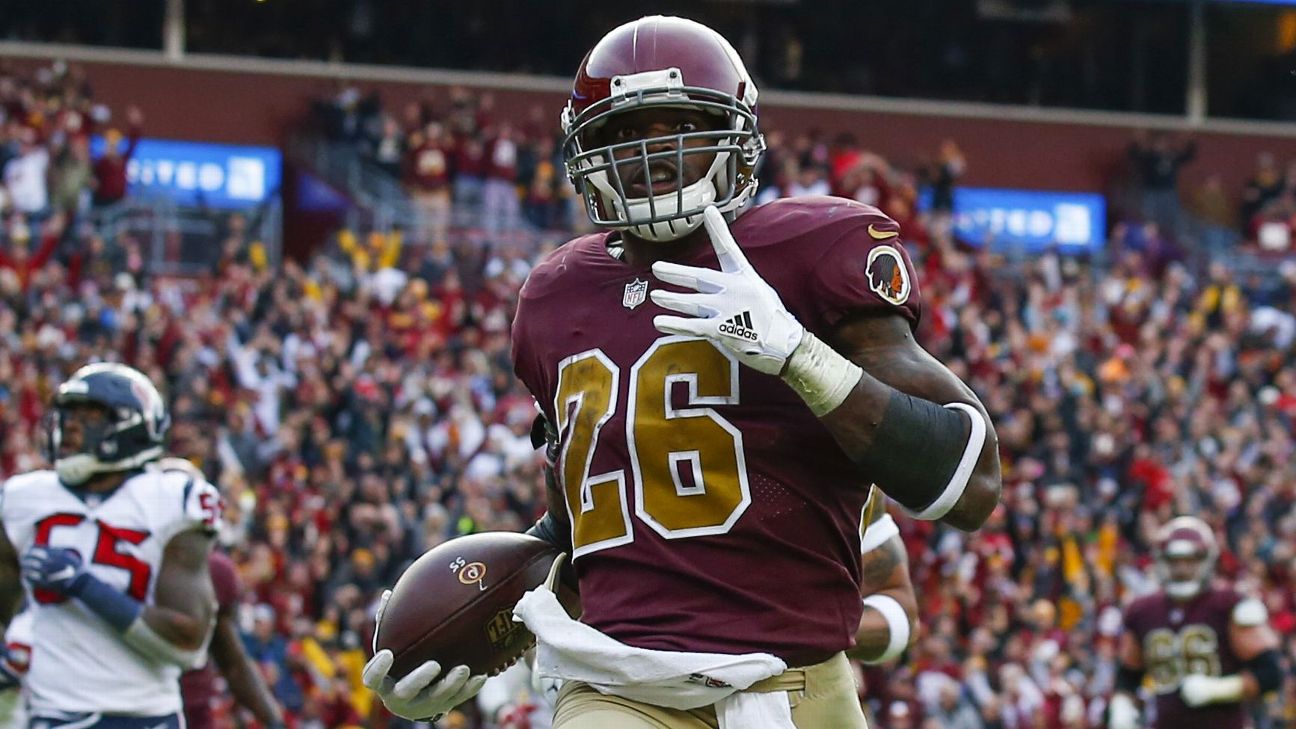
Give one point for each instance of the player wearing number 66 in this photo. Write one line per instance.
(1203, 649)
(725, 383)
(112, 550)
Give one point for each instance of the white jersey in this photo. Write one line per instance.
(80, 663)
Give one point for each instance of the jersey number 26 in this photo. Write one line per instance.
(688, 468)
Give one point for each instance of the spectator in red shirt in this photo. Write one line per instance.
(500, 203)
(23, 262)
(110, 170)
(469, 172)
(429, 181)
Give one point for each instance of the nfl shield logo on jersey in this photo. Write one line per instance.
(635, 293)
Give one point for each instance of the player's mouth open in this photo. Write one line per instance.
(663, 176)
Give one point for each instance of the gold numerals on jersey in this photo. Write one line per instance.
(586, 399)
(688, 467)
(1171, 655)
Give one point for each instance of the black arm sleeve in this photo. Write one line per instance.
(1267, 670)
(934, 436)
(539, 431)
(1129, 679)
(559, 535)
(555, 530)
(548, 529)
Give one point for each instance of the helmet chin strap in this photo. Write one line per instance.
(667, 230)
(76, 470)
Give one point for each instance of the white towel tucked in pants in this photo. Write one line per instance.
(572, 651)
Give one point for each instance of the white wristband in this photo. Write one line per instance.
(821, 376)
(877, 533)
(897, 623)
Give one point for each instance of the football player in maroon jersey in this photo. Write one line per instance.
(198, 686)
(244, 679)
(889, 623)
(726, 382)
(1205, 649)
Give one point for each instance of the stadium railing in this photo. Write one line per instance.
(184, 241)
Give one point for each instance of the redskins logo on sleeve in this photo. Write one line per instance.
(887, 275)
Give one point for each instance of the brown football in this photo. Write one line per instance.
(455, 604)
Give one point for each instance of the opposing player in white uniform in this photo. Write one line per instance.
(113, 552)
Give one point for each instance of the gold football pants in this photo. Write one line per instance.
(823, 696)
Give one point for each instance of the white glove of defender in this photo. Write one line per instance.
(734, 307)
(1199, 690)
(418, 695)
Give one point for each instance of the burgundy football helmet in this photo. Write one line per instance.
(661, 61)
(1186, 537)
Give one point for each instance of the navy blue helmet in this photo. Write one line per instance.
(130, 434)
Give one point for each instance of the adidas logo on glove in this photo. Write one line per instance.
(740, 326)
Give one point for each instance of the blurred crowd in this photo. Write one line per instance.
(52, 189)
(359, 408)
(47, 120)
(1123, 396)
(503, 173)
(499, 175)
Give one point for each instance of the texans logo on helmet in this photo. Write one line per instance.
(887, 275)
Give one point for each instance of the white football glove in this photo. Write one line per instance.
(418, 695)
(734, 307)
(1198, 690)
(1122, 714)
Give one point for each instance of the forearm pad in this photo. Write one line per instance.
(1266, 669)
(923, 454)
(115, 607)
(145, 641)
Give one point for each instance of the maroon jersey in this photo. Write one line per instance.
(198, 687)
(430, 170)
(711, 510)
(1181, 638)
